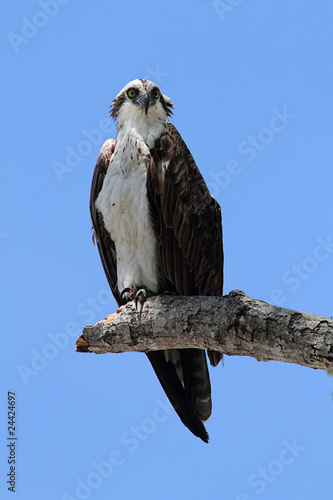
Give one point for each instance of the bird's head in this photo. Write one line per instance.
(141, 100)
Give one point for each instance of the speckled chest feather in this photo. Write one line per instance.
(124, 205)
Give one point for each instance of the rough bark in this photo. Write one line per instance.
(233, 324)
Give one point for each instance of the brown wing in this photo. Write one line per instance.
(187, 224)
(105, 245)
(186, 219)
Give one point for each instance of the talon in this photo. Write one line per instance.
(140, 296)
(127, 294)
(124, 292)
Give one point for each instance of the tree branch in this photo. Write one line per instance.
(233, 324)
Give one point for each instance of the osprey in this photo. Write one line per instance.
(158, 230)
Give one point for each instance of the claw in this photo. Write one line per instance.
(127, 295)
(130, 293)
(140, 296)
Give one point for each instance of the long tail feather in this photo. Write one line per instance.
(177, 395)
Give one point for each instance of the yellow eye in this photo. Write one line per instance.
(131, 93)
(156, 94)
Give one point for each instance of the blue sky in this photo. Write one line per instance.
(252, 88)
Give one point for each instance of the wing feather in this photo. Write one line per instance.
(180, 201)
(105, 245)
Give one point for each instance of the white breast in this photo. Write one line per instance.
(124, 205)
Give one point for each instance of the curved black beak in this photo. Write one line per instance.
(144, 102)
